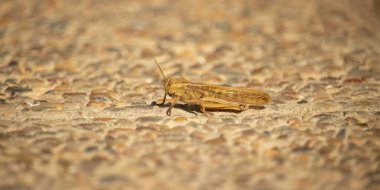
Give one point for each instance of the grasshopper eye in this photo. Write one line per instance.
(170, 81)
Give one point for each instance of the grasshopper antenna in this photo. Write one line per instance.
(159, 68)
(163, 102)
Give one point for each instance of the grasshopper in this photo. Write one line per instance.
(211, 97)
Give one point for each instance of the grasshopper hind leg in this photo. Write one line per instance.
(217, 104)
(243, 107)
(203, 109)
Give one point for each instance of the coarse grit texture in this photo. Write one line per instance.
(79, 94)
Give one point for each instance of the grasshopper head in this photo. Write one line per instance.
(173, 85)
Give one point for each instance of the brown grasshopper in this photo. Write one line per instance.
(211, 97)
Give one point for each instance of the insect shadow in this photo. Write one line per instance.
(194, 109)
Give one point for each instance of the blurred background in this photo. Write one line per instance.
(77, 80)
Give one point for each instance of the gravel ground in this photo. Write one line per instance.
(78, 93)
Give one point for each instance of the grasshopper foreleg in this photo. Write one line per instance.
(163, 102)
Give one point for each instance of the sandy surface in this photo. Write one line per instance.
(78, 87)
